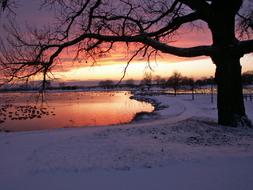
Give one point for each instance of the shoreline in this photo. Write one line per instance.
(144, 116)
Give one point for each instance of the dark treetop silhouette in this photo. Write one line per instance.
(6, 5)
(93, 27)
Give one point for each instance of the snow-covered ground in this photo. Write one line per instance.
(179, 147)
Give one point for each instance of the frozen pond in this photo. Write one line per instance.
(23, 111)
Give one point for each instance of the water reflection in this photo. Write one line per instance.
(21, 111)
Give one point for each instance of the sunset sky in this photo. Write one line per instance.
(112, 66)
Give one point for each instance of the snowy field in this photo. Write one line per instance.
(179, 147)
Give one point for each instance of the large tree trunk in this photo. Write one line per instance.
(230, 102)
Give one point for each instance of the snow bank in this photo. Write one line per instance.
(183, 148)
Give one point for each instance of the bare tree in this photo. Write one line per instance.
(130, 83)
(247, 78)
(106, 84)
(190, 83)
(147, 79)
(175, 81)
(159, 81)
(93, 27)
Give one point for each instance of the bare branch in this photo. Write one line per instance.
(94, 27)
(7, 5)
(201, 6)
(246, 24)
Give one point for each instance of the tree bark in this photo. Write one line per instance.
(230, 103)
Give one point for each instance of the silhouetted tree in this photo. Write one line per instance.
(175, 81)
(94, 27)
(205, 81)
(190, 83)
(130, 83)
(106, 84)
(247, 78)
(147, 79)
(159, 81)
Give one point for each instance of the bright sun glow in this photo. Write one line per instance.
(137, 69)
(192, 68)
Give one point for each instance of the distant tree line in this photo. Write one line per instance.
(247, 78)
(106, 84)
(176, 81)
